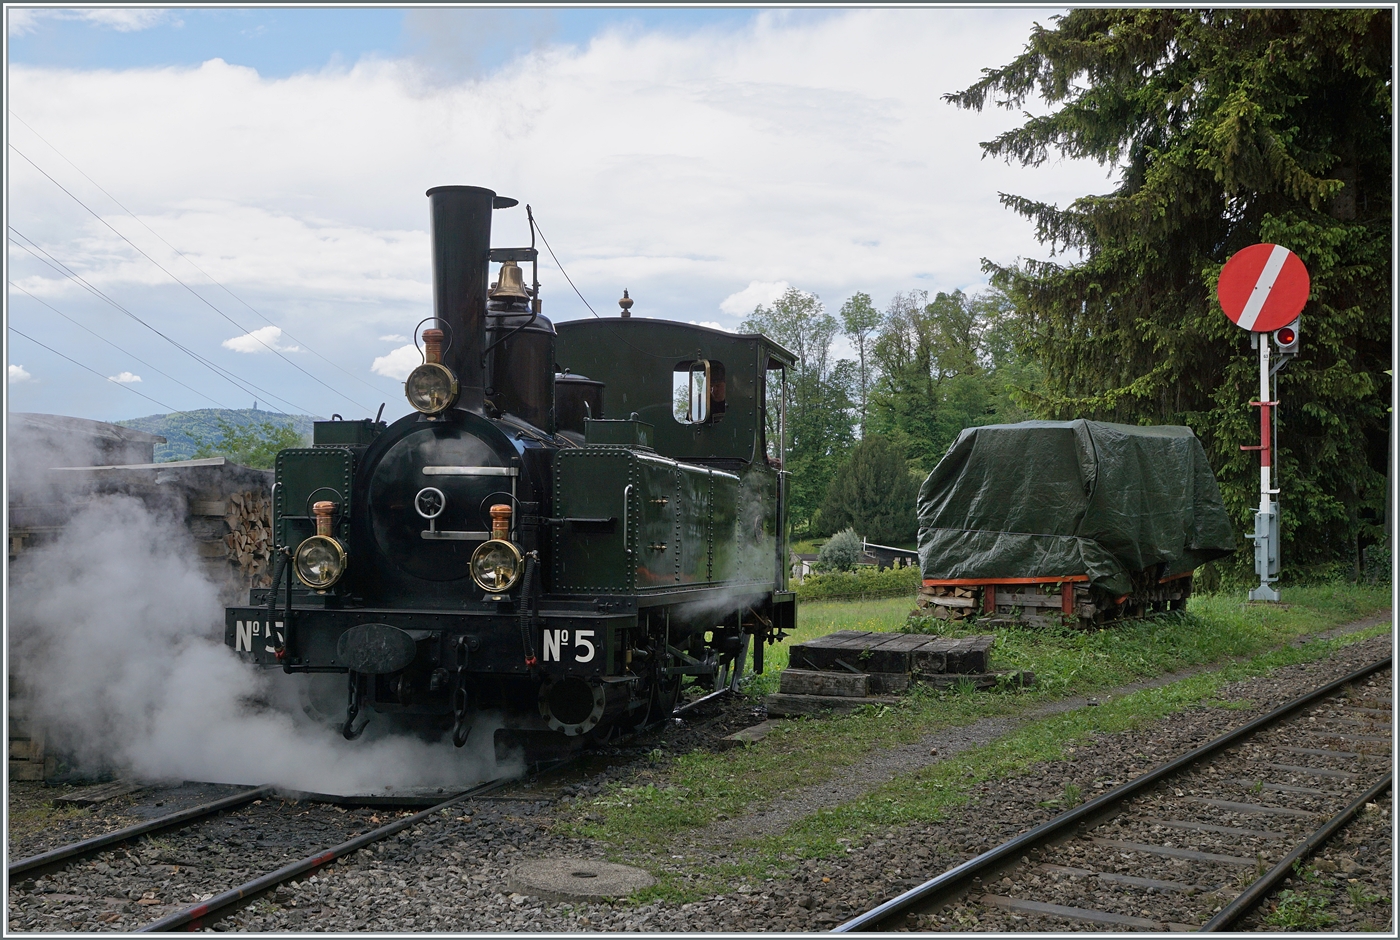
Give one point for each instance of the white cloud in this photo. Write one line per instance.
(815, 152)
(399, 363)
(712, 325)
(125, 378)
(741, 303)
(25, 21)
(394, 338)
(259, 341)
(126, 21)
(18, 373)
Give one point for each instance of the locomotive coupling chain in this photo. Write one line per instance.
(461, 727)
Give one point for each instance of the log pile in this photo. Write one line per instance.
(948, 603)
(249, 541)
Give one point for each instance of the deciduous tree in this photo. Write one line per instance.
(859, 319)
(252, 445)
(819, 408)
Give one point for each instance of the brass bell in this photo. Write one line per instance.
(510, 285)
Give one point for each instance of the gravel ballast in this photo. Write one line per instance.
(452, 872)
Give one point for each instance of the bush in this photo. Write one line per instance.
(864, 582)
(841, 551)
(1375, 566)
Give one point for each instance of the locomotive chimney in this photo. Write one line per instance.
(461, 233)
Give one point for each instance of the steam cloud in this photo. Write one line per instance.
(115, 635)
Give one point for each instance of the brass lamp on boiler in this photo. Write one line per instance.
(432, 387)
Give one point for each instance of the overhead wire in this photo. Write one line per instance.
(105, 378)
(116, 347)
(619, 338)
(243, 386)
(190, 261)
(202, 299)
(562, 271)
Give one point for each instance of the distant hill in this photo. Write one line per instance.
(185, 429)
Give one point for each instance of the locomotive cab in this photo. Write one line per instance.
(512, 548)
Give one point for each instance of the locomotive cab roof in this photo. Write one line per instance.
(640, 358)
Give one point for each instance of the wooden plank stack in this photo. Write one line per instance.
(850, 668)
(27, 758)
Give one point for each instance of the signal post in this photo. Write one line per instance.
(1263, 289)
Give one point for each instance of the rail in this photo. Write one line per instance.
(86, 846)
(957, 880)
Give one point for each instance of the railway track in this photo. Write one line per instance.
(242, 821)
(1193, 844)
(255, 840)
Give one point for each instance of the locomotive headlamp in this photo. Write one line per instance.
(496, 565)
(432, 387)
(320, 560)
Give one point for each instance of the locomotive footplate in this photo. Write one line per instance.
(369, 640)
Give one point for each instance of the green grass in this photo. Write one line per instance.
(1297, 910)
(34, 819)
(1360, 896)
(694, 790)
(1214, 628)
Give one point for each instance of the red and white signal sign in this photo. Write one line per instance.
(1263, 287)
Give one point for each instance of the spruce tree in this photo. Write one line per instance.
(873, 493)
(1226, 127)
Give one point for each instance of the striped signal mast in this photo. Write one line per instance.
(1263, 289)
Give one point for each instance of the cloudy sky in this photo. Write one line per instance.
(212, 207)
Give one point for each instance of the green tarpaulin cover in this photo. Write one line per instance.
(1056, 498)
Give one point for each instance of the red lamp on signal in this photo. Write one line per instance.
(1286, 337)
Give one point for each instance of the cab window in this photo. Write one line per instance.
(698, 392)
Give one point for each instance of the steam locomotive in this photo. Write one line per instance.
(572, 524)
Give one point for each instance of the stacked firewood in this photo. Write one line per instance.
(947, 602)
(249, 540)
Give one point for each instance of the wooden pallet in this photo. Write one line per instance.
(1056, 601)
(28, 758)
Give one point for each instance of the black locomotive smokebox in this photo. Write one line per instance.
(375, 648)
